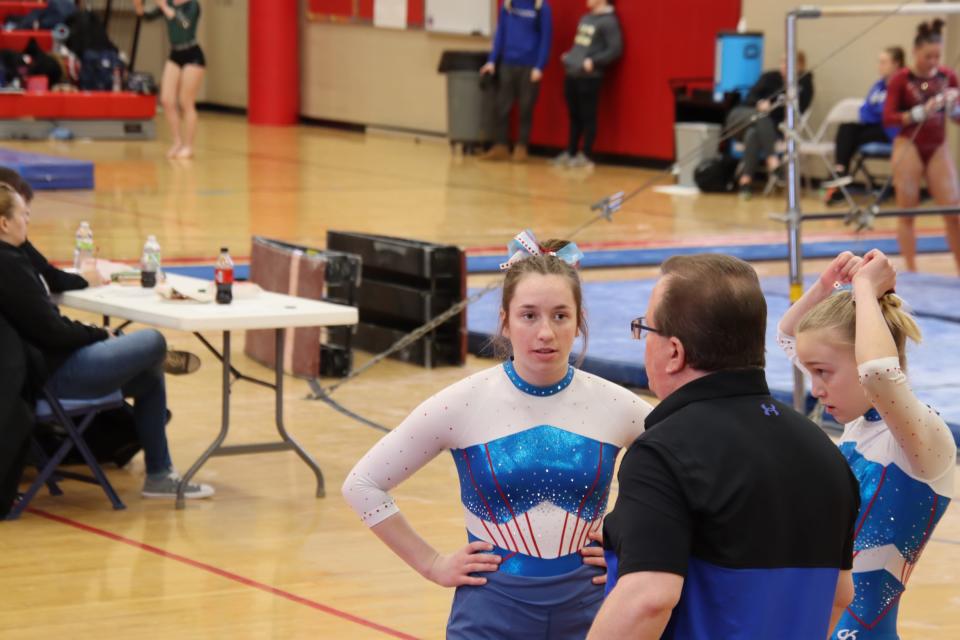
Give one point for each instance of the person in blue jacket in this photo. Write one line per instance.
(853, 135)
(521, 47)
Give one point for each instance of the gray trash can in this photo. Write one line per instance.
(470, 98)
(695, 141)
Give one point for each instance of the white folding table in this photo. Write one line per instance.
(262, 311)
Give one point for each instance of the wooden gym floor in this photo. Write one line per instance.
(264, 558)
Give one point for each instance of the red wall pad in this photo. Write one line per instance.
(274, 62)
(662, 41)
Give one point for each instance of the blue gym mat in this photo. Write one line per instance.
(652, 257)
(44, 172)
(613, 354)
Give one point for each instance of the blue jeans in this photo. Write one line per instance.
(134, 364)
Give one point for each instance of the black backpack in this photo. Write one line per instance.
(715, 175)
(98, 68)
(112, 437)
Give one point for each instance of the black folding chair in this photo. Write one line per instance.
(73, 416)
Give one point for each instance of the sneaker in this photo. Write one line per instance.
(833, 195)
(167, 488)
(178, 363)
(581, 161)
(840, 181)
(561, 160)
(745, 191)
(496, 153)
(520, 153)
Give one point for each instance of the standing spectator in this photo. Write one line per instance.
(596, 46)
(521, 48)
(736, 514)
(853, 135)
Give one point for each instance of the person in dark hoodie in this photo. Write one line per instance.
(760, 137)
(596, 46)
(81, 360)
(16, 415)
(521, 47)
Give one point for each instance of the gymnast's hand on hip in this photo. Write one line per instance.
(594, 557)
(454, 570)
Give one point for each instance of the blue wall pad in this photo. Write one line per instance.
(615, 355)
(49, 172)
(751, 252)
(240, 271)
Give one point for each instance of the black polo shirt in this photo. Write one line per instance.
(747, 499)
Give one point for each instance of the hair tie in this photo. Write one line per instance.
(524, 245)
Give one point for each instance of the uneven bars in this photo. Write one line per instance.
(887, 213)
(853, 11)
(794, 216)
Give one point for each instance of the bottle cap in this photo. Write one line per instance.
(224, 250)
(151, 238)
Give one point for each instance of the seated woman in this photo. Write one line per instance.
(760, 137)
(81, 360)
(853, 135)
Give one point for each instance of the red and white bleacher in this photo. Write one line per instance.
(94, 114)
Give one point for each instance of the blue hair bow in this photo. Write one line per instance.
(525, 245)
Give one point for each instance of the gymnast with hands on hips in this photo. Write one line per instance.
(534, 440)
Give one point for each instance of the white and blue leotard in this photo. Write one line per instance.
(535, 463)
(901, 501)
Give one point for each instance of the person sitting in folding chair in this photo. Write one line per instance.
(761, 135)
(82, 361)
(853, 135)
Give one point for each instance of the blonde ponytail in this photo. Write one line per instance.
(839, 312)
(901, 324)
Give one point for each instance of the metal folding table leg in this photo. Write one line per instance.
(224, 423)
(217, 448)
(281, 428)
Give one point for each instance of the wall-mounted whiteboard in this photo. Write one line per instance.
(459, 16)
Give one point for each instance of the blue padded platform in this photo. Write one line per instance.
(651, 257)
(615, 355)
(44, 172)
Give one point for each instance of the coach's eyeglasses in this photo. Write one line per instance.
(640, 330)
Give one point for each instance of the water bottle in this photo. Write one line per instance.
(150, 263)
(223, 276)
(83, 248)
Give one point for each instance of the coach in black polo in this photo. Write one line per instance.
(735, 516)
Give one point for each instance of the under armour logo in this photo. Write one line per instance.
(846, 634)
(771, 410)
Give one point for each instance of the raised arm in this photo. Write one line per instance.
(418, 439)
(926, 440)
(839, 271)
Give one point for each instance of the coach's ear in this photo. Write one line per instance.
(676, 356)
